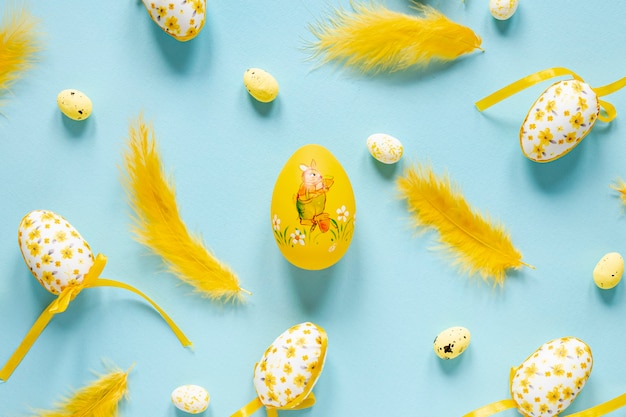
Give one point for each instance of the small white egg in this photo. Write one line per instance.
(385, 148)
(74, 104)
(503, 9)
(609, 270)
(260, 84)
(192, 399)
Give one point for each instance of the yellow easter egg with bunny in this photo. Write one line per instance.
(313, 209)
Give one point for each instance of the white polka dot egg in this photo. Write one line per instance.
(385, 148)
(192, 399)
(54, 251)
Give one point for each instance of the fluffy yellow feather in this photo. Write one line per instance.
(475, 244)
(98, 399)
(19, 43)
(620, 187)
(374, 39)
(159, 226)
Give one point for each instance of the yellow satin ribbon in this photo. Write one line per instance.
(532, 79)
(254, 405)
(60, 304)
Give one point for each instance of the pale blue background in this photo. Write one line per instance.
(385, 301)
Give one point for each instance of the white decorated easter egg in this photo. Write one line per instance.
(181, 19)
(313, 209)
(385, 148)
(74, 104)
(559, 120)
(54, 251)
(192, 399)
(549, 380)
(451, 342)
(609, 270)
(260, 84)
(503, 9)
(291, 366)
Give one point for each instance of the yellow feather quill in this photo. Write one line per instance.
(19, 43)
(99, 399)
(476, 245)
(159, 226)
(374, 39)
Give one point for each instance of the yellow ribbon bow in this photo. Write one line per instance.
(546, 74)
(60, 304)
(254, 405)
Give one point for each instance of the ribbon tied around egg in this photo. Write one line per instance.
(549, 380)
(289, 369)
(562, 116)
(62, 262)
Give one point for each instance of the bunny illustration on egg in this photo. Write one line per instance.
(313, 209)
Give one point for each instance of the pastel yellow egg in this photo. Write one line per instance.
(559, 366)
(451, 342)
(385, 148)
(182, 20)
(503, 9)
(192, 399)
(54, 251)
(609, 270)
(74, 104)
(559, 120)
(313, 209)
(293, 364)
(260, 84)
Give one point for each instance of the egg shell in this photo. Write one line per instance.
(503, 9)
(559, 120)
(549, 380)
(54, 251)
(182, 20)
(451, 342)
(192, 399)
(313, 209)
(609, 270)
(74, 104)
(291, 366)
(260, 84)
(385, 148)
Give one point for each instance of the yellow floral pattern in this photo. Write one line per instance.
(290, 367)
(54, 251)
(562, 116)
(181, 19)
(551, 378)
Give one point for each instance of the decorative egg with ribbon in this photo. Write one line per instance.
(288, 370)
(549, 380)
(182, 19)
(313, 209)
(54, 251)
(562, 115)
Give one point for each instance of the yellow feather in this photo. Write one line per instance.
(476, 245)
(158, 224)
(98, 399)
(373, 39)
(620, 187)
(19, 42)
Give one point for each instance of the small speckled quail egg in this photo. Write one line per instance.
(385, 148)
(260, 84)
(451, 342)
(74, 104)
(192, 399)
(608, 271)
(503, 9)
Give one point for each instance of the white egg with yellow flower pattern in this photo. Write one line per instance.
(291, 366)
(385, 148)
(503, 9)
(182, 19)
(192, 399)
(54, 251)
(551, 378)
(559, 120)
(313, 209)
